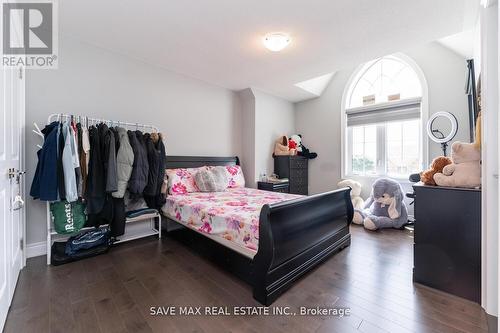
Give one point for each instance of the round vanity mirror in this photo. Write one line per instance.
(441, 128)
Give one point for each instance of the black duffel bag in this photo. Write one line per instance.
(84, 245)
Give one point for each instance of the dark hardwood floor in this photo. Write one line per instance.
(114, 293)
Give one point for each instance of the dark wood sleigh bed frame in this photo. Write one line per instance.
(294, 236)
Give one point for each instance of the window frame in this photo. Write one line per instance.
(346, 139)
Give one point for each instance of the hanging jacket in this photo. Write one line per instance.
(83, 160)
(44, 185)
(76, 158)
(160, 146)
(35, 184)
(86, 146)
(124, 162)
(157, 162)
(108, 153)
(140, 169)
(70, 163)
(117, 138)
(153, 161)
(95, 189)
(60, 170)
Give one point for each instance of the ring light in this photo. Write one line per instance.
(444, 139)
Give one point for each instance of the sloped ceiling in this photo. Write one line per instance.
(461, 43)
(219, 41)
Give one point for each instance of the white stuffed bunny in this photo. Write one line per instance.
(357, 201)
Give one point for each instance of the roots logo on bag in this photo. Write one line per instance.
(69, 217)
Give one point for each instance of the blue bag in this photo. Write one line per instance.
(88, 240)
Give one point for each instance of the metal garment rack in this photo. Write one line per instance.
(53, 236)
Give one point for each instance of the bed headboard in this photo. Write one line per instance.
(174, 162)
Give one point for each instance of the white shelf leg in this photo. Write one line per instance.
(159, 226)
(49, 237)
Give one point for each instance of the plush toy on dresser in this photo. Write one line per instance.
(465, 171)
(385, 208)
(437, 165)
(357, 201)
(302, 150)
(283, 148)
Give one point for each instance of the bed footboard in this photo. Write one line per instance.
(295, 236)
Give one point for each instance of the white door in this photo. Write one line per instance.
(490, 158)
(11, 184)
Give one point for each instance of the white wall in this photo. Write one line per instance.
(247, 105)
(273, 117)
(264, 119)
(197, 118)
(445, 73)
(319, 119)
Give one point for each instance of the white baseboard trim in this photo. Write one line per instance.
(36, 249)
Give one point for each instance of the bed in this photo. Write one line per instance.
(268, 239)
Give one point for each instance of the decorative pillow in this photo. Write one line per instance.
(235, 176)
(181, 181)
(211, 180)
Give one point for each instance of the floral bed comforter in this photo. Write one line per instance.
(233, 214)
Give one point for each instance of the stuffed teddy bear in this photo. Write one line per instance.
(282, 148)
(465, 171)
(357, 201)
(301, 149)
(437, 165)
(385, 208)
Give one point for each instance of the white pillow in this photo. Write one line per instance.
(211, 180)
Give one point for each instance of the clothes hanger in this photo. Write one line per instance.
(38, 131)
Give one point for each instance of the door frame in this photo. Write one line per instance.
(489, 149)
(22, 76)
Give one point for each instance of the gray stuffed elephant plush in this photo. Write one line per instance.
(385, 208)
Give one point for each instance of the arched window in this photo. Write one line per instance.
(383, 106)
(383, 77)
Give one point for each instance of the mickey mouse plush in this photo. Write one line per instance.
(296, 140)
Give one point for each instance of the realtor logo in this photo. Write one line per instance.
(29, 34)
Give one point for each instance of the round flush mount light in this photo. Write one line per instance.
(276, 41)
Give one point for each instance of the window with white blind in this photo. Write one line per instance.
(384, 138)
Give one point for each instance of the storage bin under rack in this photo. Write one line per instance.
(154, 229)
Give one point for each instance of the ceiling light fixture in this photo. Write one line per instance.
(276, 41)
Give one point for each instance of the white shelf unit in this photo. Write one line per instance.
(53, 236)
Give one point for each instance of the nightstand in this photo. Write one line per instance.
(273, 187)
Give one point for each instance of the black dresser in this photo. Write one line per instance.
(447, 250)
(295, 169)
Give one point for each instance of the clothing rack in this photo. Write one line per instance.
(151, 218)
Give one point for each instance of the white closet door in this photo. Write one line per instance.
(11, 184)
(490, 163)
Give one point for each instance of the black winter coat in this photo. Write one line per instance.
(153, 161)
(140, 170)
(96, 182)
(108, 153)
(157, 163)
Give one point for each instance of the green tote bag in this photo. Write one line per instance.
(69, 217)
